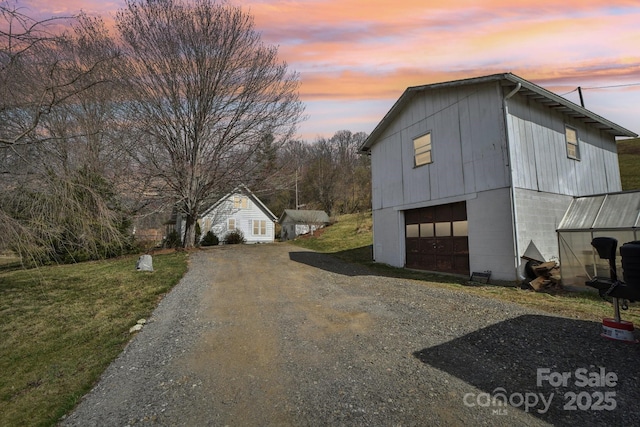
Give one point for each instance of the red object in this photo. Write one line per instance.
(618, 331)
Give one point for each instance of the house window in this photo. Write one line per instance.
(239, 202)
(572, 143)
(231, 224)
(259, 227)
(422, 150)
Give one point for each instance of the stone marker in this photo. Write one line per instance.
(145, 263)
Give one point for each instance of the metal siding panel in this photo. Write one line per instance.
(529, 141)
(612, 166)
(525, 155)
(414, 179)
(449, 168)
(540, 160)
(467, 108)
(391, 174)
(481, 146)
(377, 171)
(547, 173)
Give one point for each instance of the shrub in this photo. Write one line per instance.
(210, 239)
(172, 240)
(234, 237)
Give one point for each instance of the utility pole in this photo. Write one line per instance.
(581, 99)
(297, 189)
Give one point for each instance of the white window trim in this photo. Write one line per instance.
(262, 231)
(240, 202)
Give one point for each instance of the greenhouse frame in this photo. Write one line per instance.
(615, 215)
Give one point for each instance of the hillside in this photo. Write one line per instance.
(629, 160)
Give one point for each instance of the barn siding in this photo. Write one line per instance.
(539, 154)
(469, 148)
(530, 177)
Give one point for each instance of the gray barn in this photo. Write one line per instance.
(468, 175)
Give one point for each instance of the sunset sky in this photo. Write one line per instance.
(356, 57)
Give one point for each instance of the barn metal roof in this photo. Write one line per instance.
(613, 211)
(531, 90)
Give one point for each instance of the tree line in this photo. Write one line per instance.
(326, 174)
(175, 106)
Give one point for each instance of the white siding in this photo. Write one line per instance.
(491, 234)
(472, 161)
(388, 237)
(538, 215)
(539, 153)
(469, 147)
(244, 220)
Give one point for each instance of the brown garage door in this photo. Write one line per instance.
(437, 238)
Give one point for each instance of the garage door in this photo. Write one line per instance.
(437, 238)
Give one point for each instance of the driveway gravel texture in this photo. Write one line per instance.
(275, 335)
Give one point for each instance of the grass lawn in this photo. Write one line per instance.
(62, 325)
(629, 161)
(350, 239)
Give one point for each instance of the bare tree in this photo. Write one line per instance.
(53, 200)
(335, 177)
(204, 93)
(353, 190)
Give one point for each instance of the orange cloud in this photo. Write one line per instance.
(357, 50)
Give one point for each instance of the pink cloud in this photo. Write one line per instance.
(356, 50)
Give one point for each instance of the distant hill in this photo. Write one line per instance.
(629, 160)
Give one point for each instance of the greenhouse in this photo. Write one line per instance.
(614, 215)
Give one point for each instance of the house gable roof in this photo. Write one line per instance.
(305, 216)
(242, 189)
(531, 90)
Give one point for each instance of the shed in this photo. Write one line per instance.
(614, 215)
(297, 222)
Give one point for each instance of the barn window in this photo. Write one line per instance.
(422, 150)
(572, 143)
(259, 227)
(460, 228)
(239, 202)
(413, 230)
(231, 223)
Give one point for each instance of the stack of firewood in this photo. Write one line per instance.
(547, 276)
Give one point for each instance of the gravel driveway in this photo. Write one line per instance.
(268, 335)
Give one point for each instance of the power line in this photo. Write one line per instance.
(602, 87)
(612, 86)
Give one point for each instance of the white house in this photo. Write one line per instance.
(297, 222)
(240, 210)
(469, 175)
